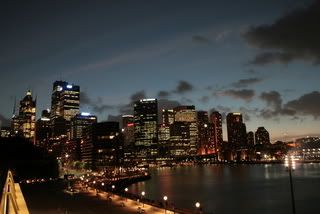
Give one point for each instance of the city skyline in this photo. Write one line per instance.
(188, 54)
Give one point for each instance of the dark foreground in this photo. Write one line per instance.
(48, 198)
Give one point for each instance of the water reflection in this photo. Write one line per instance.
(236, 188)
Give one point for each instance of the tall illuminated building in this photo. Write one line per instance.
(65, 104)
(102, 145)
(128, 129)
(204, 146)
(237, 134)
(24, 124)
(79, 122)
(145, 127)
(188, 114)
(43, 129)
(216, 130)
(180, 139)
(262, 136)
(65, 100)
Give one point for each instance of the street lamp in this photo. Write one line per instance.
(197, 205)
(290, 164)
(113, 186)
(126, 190)
(102, 184)
(165, 198)
(142, 195)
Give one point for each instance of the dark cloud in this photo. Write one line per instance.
(307, 104)
(200, 39)
(270, 57)
(138, 96)
(167, 104)
(273, 99)
(163, 94)
(183, 87)
(4, 121)
(186, 101)
(245, 94)
(204, 99)
(128, 108)
(223, 110)
(115, 118)
(246, 82)
(295, 36)
(96, 106)
(274, 106)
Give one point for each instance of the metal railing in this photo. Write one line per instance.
(10, 196)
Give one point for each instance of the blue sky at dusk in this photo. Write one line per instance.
(260, 58)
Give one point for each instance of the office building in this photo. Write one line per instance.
(79, 122)
(237, 135)
(128, 129)
(102, 145)
(145, 127)
(167, 116)
(262, 136)
(204, 146)
(188, 114)
(216, 131)
(65, 104)
(43, 129)
(24, 124)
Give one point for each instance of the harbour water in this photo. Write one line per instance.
(229, 189)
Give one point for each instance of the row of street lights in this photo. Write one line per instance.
(143, 193)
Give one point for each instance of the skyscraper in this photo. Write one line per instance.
(216, 130)
(43, 129)
(128, 129)
(203, 133)
(65, 104)
(188, 114)
(262, 136)
(79, 122)
(180, 139)
(237, 134)
(24, 124)
(65, 100)
(102, 145)
(145, 127)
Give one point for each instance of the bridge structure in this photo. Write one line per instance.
(12, 200)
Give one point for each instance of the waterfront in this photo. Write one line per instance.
(225, 189)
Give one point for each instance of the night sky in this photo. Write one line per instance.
(260, 58)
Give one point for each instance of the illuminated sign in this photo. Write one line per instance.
(130, 124)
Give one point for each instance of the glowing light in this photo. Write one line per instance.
(85, 113)
(130, 124)
(69, 86)
(146, 100)
(59, 88)
(197, 204)
(165, 198)
(143, 193)
(126, 189)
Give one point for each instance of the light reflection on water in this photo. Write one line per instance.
(228, 189)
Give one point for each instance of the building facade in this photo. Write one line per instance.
(24, 124)
(146, 128)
